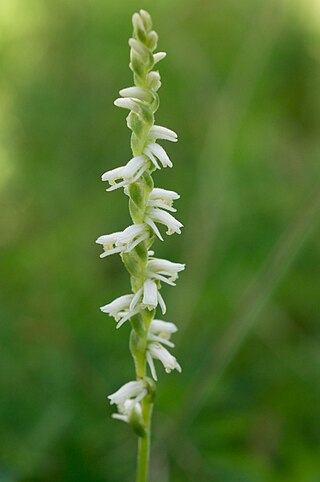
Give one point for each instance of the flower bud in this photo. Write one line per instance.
(135, 419)
(146, 19)
(153, 80)
(138, 27)
(135, 124)
(136, 65)
(152, 40)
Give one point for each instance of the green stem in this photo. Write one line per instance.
(144, 443)
(147, 406)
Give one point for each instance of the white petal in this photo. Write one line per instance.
(157, 203)
(149, 153)
(129, 173)
(130, 233)
(160, 326)
(162, 303)
(116, 186)
(141, 395)
(159, 339)
(128, 390)
(165, 266)
(137, 93)
(159, 132)
(117, 305)
(138, 47)
(134, 165)
(107, 239)
(160, 153)
(150, 298)
(161, 278)
(137, 241)
(154, 227)
(113, 174)
(118, 416)
(165, 194)
(159, 56)
(152, 367)
(136, 298)
(145, 16)
(128, 104)
(125, 317)
(153, 80)
(156, 267)
(137, 22)
(109, 252)
(163, 217)
(169, 361)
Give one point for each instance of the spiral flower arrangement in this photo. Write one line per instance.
(149, 207)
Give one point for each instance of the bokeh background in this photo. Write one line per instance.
(241, 87)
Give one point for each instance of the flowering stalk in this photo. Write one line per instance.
(149, 207)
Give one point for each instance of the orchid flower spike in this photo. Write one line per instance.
(149, 207)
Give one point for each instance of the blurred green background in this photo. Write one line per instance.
(241, 86)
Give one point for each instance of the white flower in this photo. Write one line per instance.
(155, 215)
(138, 48)
(128, 399)
(161, 332)
(159, 56)
(129, 103)
(136, 105)
(154, 151)
(109, 242)
(157, 351)
(132, 390)
(162, 198)
(128, 173)
(133, 235)
(160, 327)
(153, 80)
(137, 93)
(137, 22)
(126, 410)
(164, 270)
(148, 296)
(159, 132)
(117, 306)
(120, 309)
(123, 241)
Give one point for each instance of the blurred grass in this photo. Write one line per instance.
(243, 78)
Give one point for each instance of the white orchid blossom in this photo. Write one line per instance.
(135, 390)
(156, 215)
(161, 332)
(120, 309)
(163, 199)
(164, 270)
(124, 241)
(129, 173)
(156, 351)
(149, 207)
